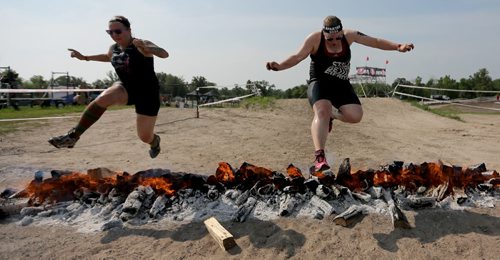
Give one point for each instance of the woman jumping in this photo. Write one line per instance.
(329, 84)
(132, 60)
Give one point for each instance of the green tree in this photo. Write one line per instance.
(225, 93)
(446, 82)
(199, 81)
(481, 80)
(100, 84)
(36, 81)
(419, 81)
(238, 91)
(10, 79)
(404, 81)
(111, 77)
(465, 84)
(263, 87)
(496, 84)
(70, 81)
(172, 85)
(296, 92)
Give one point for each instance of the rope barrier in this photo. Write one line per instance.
(447, 89)
(446, 102)
(27, 90)
(226, 100)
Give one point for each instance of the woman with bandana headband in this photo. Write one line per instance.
(132, 59)
(329, 84)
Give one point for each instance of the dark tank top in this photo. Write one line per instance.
(325, 65)
(134, 69)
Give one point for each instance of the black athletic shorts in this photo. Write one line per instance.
(339, 92)
(146, 99)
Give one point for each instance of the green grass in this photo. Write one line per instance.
(29, 112)
(448, 112)
(37, 112)
(259, 102)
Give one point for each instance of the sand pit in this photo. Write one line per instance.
(272, 138)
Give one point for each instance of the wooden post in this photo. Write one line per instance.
(220, 234)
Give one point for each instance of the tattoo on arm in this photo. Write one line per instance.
(156, 49)
(151, 47)
(361, 34)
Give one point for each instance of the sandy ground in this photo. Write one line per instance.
(273, 138)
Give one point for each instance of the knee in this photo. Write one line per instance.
(103, 101)
(323, 114)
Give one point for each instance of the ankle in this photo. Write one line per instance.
(73, 134)
(320, 155)
(319, 152)
(156, 141)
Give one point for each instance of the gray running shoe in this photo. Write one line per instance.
(64, 141)
(155, 149)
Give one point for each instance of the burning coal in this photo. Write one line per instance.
(121, 196)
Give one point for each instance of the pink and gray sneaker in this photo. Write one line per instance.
(320, 164)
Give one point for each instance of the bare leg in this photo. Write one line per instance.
(350, 113)
(145, 131)
(145, 128)
(319, 126)
(114, 95)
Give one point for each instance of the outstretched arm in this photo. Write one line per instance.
(149, 49)
(361, 38)
(304, 51)
(99, 57)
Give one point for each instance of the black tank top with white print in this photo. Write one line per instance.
(133, 68)
(326, 65)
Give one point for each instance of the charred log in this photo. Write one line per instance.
(323, 205)
(287, 204)
(159, 204)
(323, 191)
(133, 203)
(398, 218)
(312, 184)
(350, 216)
(244, 210)
(413, 202)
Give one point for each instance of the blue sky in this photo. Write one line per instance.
(229, 41)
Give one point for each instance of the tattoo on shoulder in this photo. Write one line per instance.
(361, 34)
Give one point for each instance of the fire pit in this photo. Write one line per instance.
(112, 198)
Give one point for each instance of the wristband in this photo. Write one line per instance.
(397, 48)
(87, 58)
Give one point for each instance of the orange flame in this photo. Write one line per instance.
(159, 185)
(224, 173)
(62, 188)
(429, 175)
(293, 172)
(251, 171)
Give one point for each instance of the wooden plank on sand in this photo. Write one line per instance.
(220, 234)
